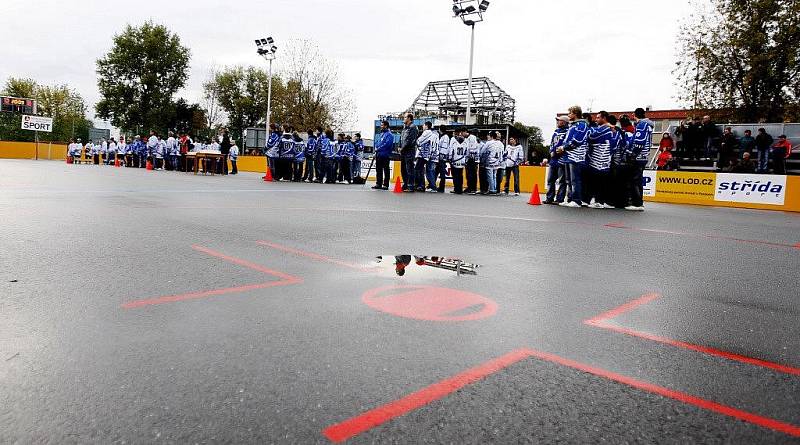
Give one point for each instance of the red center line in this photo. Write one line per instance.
(370, 419)
(285, 279)
(352, 427)
(314, 256)
(603, 321)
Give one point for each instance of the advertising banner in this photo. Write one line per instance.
(748, 188)
(688, 187)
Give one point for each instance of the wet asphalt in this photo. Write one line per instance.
(237, 358)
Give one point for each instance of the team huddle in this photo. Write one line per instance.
(425, 158)
(599, 164)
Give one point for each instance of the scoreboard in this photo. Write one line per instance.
(17, 105)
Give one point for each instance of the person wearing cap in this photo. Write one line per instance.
(574, 148)
(636, 153)
(556, 174)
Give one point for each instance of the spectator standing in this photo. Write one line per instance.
(747, 143)
(710, 134)
(763, 143)
(781, 150)
(513, 159)
(233, 154)
(728, 146)
(408, 151)
(383, 151)
(225, 149)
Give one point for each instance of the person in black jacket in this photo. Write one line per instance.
(225, 149)
(408, 151)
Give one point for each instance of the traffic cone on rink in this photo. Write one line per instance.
(149, 165)
(535, 200)
(398, 186)
(268, 176)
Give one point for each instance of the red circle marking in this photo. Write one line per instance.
(429, 303)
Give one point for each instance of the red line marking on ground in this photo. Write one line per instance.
(700, 235)
(797, 246)
(313, 256)
(285, 279)
(428, 303)
(755, 419)
(352, 427)
(372, 418)
(602, 321)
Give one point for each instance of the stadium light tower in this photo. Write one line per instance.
(267, 49)
(470, 12)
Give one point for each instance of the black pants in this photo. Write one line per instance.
(407, 171)
(779, 164)
(344, 170)
(382, 171)
(298, 171)
(319, 167)
(634, 185)
(233, 167)
(458, 179)
(419, 174)
(441, 171)
(472, 176)
(223, 167)
(596, 185)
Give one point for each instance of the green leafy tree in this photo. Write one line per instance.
(536, 148)
(138, 78)
(742, 56)
(63, 104)
(242, 93)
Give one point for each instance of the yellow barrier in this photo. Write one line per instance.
(28, 150)
(710, 189)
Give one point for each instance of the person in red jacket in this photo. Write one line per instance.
(667, 143)
(780, 150)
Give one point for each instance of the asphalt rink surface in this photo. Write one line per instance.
(158, 307)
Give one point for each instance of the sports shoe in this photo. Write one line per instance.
(571, 204)
(516, 194)
(376, 187)
(472, 193)
(595, 205)
(635, 208)
(608, 206)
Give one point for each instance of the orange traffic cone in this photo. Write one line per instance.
(535, 200)
(398, 186)
(116, 163)
(149, 165)
(268, 176)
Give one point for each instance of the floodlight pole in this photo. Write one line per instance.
(269, 99)
(469, 82)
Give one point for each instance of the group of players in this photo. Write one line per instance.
(425, 158)
(160, 153)
(599, 163)
(319, 158)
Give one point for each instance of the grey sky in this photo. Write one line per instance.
(547, 55)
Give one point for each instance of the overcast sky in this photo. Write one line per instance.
(548, 55)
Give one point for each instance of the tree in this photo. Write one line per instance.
(138, 78)
(63, 104)
(742, 56)
(242, 93)
(536, 148)
(314, 93)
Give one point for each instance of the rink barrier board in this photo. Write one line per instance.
(695, 188)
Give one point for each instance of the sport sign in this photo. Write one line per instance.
(37, 123)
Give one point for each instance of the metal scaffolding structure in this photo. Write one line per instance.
(447, 101)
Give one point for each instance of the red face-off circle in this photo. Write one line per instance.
(430, 303)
